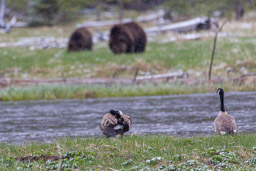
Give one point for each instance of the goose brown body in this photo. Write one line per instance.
(224, 123)
(110, 121)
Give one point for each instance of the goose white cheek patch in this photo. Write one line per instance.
(222, 132)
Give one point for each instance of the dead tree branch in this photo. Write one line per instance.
(214, 48)
(136, 74)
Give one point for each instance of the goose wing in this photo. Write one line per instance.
(108, 120)
(126, 122)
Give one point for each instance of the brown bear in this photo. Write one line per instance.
(140, 38)
(127, 38)
(80, 39)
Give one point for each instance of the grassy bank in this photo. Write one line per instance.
(189, 56)
(136, 152)
(62, 91)
(193, 57)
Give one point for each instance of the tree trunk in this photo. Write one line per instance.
(2, 11)
(99, 9)
(137, 5)
(239, 9)
(121, 10)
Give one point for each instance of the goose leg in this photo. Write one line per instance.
(119, 131)
(109, 132)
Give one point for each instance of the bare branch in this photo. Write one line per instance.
(214, 48)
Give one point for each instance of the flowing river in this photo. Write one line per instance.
(176, 115)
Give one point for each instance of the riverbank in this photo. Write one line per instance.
(84, 91)
(134, 152)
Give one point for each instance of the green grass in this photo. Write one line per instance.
(193, 56)
(152, 152)
(62, 91)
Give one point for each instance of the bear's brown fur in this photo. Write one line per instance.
(80, 39)
(127, 38)
(140, 38)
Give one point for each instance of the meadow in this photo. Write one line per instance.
(133, 152)
(193, 57)
(234, 53)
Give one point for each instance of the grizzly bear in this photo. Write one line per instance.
(80, 39)
(127, 38)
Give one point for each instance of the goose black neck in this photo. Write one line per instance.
(222, 102)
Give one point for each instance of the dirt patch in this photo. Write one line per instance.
(37, 158)
(90, 94)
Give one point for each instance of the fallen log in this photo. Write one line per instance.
(145, 18)
(6, 27)
(20, 24)
(53, 42)
(40, 42)
(248, 75)
(191, 36)
(166, 76)
(184, 26)
(102, 23)
(194, 24)
(73, 81)
(171, 78)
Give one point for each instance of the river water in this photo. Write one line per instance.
(177, 115)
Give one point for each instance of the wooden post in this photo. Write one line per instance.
(214, 48)
(115, 74)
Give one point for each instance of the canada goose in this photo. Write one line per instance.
(224, 123)
(111, 120)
